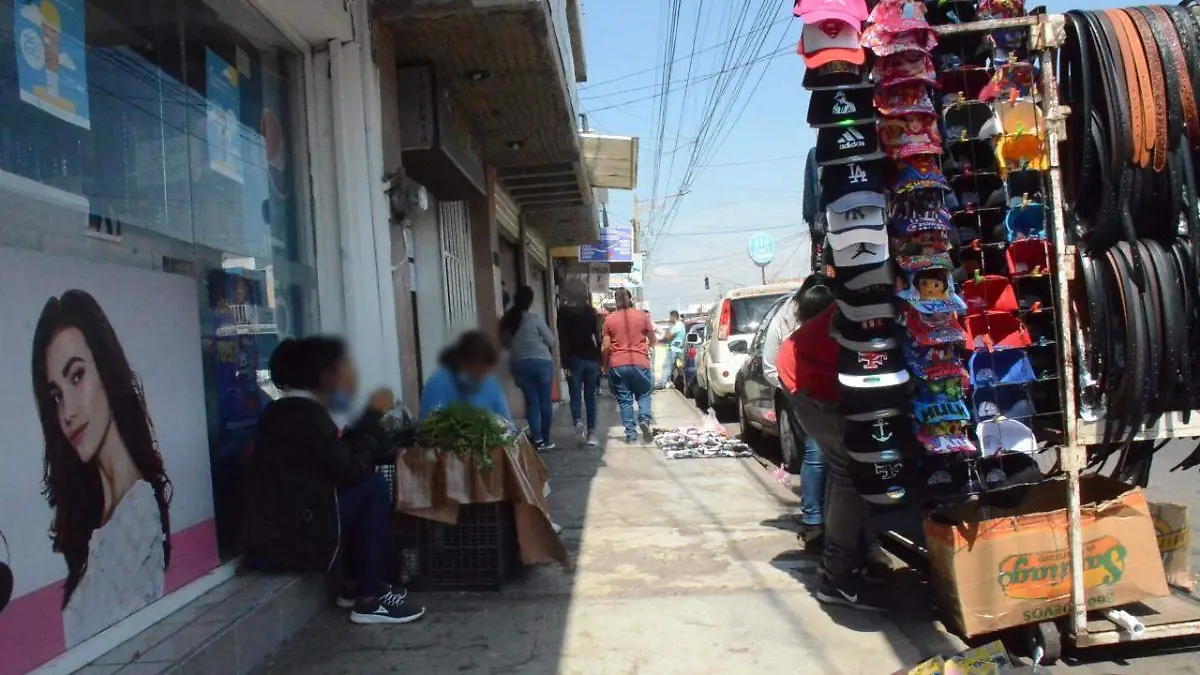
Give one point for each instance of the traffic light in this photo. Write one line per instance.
(706, 283)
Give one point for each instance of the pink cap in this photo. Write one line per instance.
(830, 40)
(812, 11)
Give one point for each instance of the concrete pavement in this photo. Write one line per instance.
(684, 567)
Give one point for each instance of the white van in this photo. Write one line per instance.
(731, 325)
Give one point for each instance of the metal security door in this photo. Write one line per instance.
(457, 266)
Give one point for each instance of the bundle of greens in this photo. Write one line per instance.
(466, 432)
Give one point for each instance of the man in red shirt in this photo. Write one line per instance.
(808, 372)
(628, 337)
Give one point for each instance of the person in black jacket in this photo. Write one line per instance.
(579, 338)
(310, 484)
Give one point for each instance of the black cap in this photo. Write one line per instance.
(884, 485)
(870, 295)
(871, 370)
(877, 334)
(831, 107)
(969, 119)
(846, 144)
(839, 180)
(838, 75)
(883, 437)
(867, 404)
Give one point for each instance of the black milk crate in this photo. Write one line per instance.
(480, 552)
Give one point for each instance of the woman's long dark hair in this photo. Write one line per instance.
(71, 487)
(511, 321)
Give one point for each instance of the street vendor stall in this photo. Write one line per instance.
(1018, 294)
(477, 492)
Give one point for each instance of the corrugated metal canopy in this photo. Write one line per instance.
(611, 161)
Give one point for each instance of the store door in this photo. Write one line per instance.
(457, 267)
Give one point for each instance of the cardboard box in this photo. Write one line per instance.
(1174, 543)
(999, 568)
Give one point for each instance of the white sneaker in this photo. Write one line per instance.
(591, 439)
(581, 431)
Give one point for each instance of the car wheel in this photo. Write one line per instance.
(789, 446)
(700, 396)
(750, 434)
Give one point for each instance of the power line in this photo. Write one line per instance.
(592, 85)
(765, 160)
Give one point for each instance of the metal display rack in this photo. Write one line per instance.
(1172, 616)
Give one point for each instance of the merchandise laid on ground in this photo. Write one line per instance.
(708, 440)
(998, 316)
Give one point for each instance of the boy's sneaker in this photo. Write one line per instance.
(581, 431)
(852, 597)
(347, 599)
(390, 608)
(546, 446)
(590, 440)
(647, 432)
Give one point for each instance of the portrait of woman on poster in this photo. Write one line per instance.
(102, 474)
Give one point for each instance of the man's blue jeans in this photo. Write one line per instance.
(668, 366)
(585, 379)
(812, 483)
(534, 377)
(630, 383)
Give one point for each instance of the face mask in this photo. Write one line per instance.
(339, 402)
(467, 382)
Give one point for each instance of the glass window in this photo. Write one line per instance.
(168, 136)
(747, 313)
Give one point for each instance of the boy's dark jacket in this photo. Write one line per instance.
(298, 464)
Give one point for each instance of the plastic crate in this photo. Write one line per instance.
(480, 552)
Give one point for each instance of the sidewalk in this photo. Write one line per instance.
(683, 567)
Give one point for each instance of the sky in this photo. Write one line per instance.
(751, 182)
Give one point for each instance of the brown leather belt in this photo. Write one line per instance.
(1157, 91)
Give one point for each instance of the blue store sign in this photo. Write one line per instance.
(616, 245)
(761, 249)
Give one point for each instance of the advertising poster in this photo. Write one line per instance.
(51, 53)
(106, 494)
(615, 245)
(223, 118)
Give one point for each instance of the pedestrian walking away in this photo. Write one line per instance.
(530, 345)
(674, 338)
(628, 339)
(579, 331)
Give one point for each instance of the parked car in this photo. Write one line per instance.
(763, 410)
(685, 375)
(731, 326)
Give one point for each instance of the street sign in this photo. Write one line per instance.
(761, 249)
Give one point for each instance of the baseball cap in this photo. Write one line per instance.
(898, 16)
(924, 261)
(1010, 77)
(1010, 43)
(866, 370)
(864, 276)
(811, 11)
(965, 83)
(847, 144)
(979, 190)
(1007, 366)
(859, 336)
(996, 330)
(908, 135)
(931, 408)
(904, 68)
(1011, 402)
(968, 119)
(918, 172)
(835, 39)
(888, 434)
(1021, 152)
(868, 404)
(1025, 220)
(931, 291)
(852, 185)
(933, 362)
(1041, 325)
(868, 247)
(846, 228)
(833, 107)
(965, 158)
(884, 485)
(945, 438)
(885, 43)
(837, 75)
(1022, 116)
(971, 225)
(927, 243)
(956, 50)
(913, 222)
(1005, 435)
(989, 293)
(881, 309)
(904, 99)
(978, 258)
(931, 329)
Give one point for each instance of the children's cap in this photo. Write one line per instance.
(996, 330)
(931, 291)
(989, 293)
(831, 40)
(1007, 366)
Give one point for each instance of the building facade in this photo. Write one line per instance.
(186, 183)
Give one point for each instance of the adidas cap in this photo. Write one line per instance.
(846, 144)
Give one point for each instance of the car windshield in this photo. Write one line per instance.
(748, 313)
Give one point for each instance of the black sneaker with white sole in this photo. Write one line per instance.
(347, 599)
(390, 608)
(647, 432)
(852, 597)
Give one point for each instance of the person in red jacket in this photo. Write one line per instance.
(808, 372)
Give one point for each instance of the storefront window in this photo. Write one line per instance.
(153, 218)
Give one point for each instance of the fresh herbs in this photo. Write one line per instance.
(467, 432)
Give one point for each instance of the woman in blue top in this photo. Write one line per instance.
(466, 375)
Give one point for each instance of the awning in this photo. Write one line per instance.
(611, 161)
